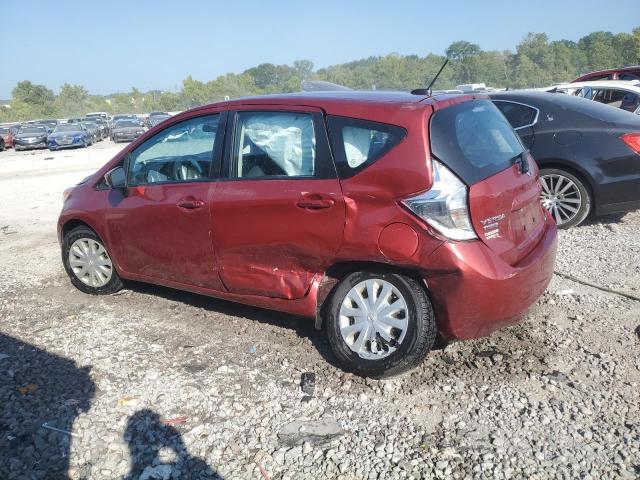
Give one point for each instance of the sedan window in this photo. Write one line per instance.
(274, 144)
(519, 115)
(179, 153)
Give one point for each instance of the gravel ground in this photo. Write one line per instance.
(154, 383)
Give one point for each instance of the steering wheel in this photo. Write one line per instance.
(187, 168)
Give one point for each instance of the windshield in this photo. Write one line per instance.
(67, 127)
(474, 140)
(4, 130)
(126, 123)
(33, 130)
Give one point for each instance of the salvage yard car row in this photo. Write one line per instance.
(76, 132)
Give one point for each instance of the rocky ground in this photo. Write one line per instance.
(153, 383)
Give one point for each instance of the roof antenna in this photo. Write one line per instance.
(427, 91)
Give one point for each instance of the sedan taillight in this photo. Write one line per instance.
(632, 140)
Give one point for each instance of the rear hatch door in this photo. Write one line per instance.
(478, 144)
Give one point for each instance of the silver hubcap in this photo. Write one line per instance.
(561, 197)
(373, 319)
(90, 262)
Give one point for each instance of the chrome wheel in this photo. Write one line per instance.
(374, 318)
(561, 196)
(90, 262)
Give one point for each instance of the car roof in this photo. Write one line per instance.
(343, 102)
(633, 85)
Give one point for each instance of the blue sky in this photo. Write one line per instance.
(113, 45)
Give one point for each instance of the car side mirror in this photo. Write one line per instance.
(116, 178)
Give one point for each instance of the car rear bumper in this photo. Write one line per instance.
(475, 292)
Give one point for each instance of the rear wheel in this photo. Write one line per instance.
(565, 196)
(88, 263)
(380, 324)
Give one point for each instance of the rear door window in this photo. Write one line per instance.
(274, 144)
(473, 139)
(519, 115)
(357, 143)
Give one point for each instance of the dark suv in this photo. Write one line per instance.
(386, 217)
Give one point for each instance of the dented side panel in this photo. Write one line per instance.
(268, 240)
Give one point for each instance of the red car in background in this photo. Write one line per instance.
(7, 132)
(624, 73)
(388, 218)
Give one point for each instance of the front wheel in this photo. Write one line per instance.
(380, 324)
(565, 196)
(88, 263)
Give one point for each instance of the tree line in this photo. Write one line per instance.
(536, 62)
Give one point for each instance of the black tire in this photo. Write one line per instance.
(419, 338)
(584, 208)
(113, 285)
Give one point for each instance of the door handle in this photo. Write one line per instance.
(190, 203)
(315, 202)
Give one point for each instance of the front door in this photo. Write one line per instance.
(161, 228)
(279, 215)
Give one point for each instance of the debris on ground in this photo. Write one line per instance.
(308, 383)
(318, 432)
(175, 421)
(28, 388)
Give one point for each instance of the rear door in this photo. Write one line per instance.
(279, 215)
(478, 144)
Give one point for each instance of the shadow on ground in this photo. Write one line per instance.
(38, 388)
(303, 327)
(157, 451)
(41, 394)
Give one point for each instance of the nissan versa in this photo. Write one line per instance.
(388, 217)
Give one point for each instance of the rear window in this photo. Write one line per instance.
(473, 139)
(358, 143)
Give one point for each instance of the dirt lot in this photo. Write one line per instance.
(153, 383)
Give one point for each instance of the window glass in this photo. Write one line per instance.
(274, 144)
(474, 140)
(180, 153)
(517, 114)
(358, 143)
(609, 97)
(628, 76)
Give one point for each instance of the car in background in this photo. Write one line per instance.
(93, 115)
(30, 137)
(157, 119)
(126, 130)
(102, 126)
(92, 129)
(624, 73)
(338, 206)
(6, 133)
(618, 94)
(588, 153)
(50, 125)
(155, 114)
(68, 135)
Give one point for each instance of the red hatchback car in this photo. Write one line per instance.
(388, 217)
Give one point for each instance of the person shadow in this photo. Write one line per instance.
(41, 394)
(158, 452)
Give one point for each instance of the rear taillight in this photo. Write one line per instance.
(445, 205)
(632, 140)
